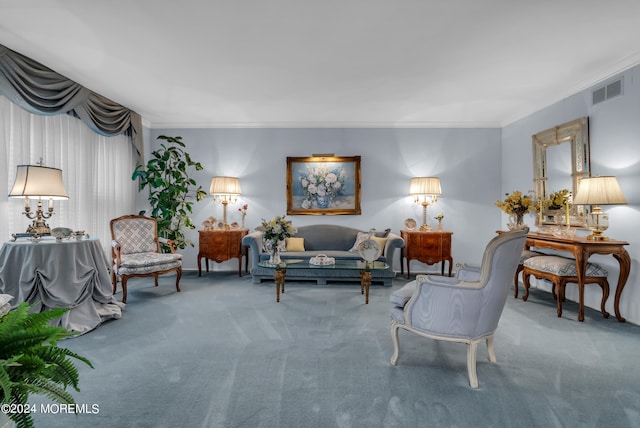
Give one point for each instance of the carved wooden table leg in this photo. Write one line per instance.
(365, 282)
(278, 277)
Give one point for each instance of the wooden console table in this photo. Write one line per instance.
(582, 249)
(221, 245)
(428, 247)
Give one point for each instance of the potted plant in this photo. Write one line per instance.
(171, 189)
(32, 363)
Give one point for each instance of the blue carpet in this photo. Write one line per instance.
(223, 353)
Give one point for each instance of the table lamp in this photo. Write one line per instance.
(427, 188)
(598, 191)
(41, 182)
(224, 191)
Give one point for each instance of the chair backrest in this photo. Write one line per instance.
(499, 264)
(135, 234)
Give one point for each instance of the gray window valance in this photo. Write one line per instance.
(41, 90)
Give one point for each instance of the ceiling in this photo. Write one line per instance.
(328, 63)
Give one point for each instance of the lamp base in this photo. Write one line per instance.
(597, 236)
(39, 227)
(426, 228)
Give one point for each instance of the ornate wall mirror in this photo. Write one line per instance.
(560, 160)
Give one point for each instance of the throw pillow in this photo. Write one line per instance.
(295, 244)
(359, 238)
(381, 243)
(382, 234)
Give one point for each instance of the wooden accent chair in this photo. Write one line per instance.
(136, 251)
(460, 310)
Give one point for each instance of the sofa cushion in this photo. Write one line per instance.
(381, 243)
(384, 234)
(360, 238)
(295, 244)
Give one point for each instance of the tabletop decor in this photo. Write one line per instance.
(275, 231)
(516, 205)
(323, 184)
(243, 212)
(439, 218)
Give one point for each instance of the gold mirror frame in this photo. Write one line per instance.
(576, 134)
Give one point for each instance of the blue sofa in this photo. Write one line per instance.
(332, 240)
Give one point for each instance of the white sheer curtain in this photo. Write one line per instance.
(96, 171)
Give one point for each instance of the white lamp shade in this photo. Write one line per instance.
(603, 190)
(222, 186)
(425, 186)
(34, 181)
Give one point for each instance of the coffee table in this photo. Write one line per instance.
(365, 268)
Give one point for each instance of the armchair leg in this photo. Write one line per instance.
(124, 288)
(155, 277)
(396, 343)
(490, 350)
(178, 276)
(472, 351)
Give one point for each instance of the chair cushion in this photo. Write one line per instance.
(401, 297)
(562, 266)
(527, 254)
(148, 259)
(143, 263)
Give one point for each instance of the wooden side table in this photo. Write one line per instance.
(221, 245)
(429, 247)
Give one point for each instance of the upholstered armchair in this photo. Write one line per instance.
(136, 251)
(465, 309)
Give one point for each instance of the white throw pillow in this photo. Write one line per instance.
(362, 236)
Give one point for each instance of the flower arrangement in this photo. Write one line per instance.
(439, 217)
(243, 212)
(559, 199)
(277, 229)
(516, 204)
(321, 185)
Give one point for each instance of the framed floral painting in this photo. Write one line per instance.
(323, 185)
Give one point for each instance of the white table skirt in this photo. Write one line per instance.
(69, 274)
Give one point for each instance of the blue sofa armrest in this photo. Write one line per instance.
(254, 241)
(393, 242)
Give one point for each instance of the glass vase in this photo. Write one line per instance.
(516, 222)
(274, 257)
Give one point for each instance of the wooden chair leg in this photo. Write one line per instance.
(525, 281)
(124, 288)
(178, 276)
(515, 281)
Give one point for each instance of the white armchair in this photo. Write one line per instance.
(465, 309)
(135, 251)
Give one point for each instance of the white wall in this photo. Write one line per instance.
(466, 160)
(615, 136)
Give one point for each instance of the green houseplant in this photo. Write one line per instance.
(171, 189)
(32, 363)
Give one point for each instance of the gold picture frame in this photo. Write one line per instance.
(323, 185)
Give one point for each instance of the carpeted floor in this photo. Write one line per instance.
(223, 353)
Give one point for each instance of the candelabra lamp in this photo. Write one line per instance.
(425, 191)
(225, 190)
(598, 191)
(41, 183)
